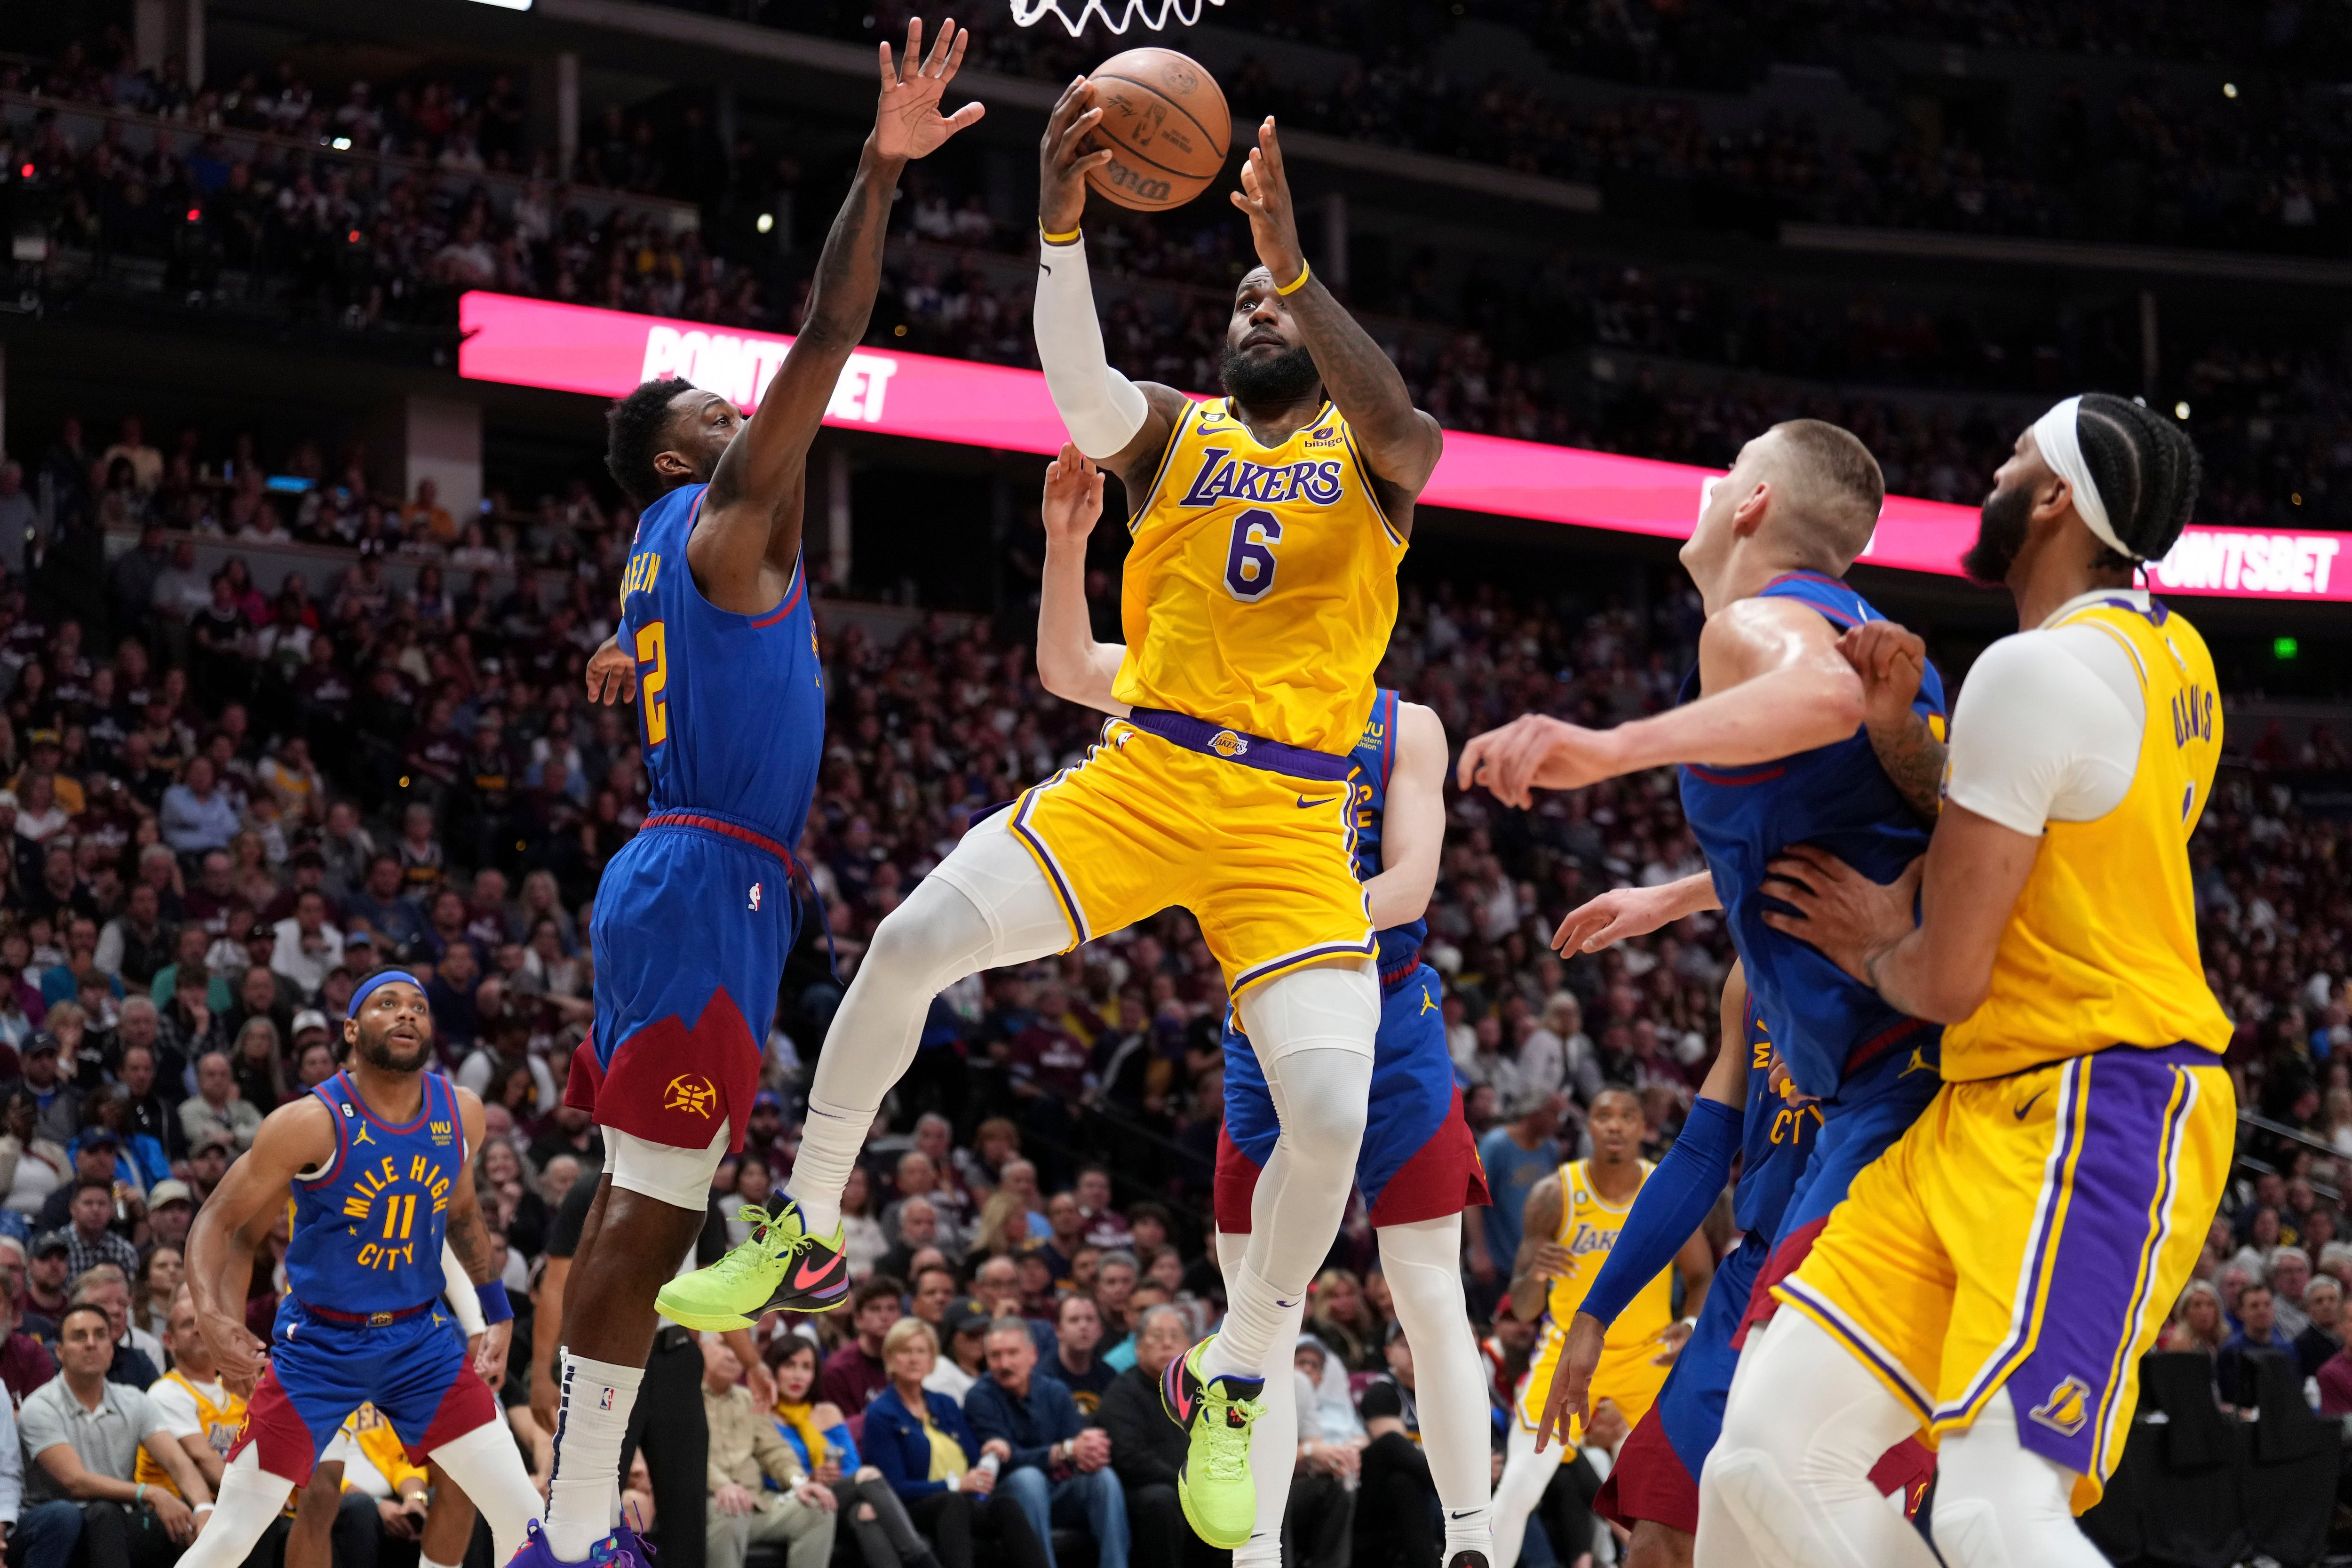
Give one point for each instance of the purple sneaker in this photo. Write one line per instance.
(622, 1549)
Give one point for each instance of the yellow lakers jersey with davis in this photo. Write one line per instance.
(1627, 1375)
(1260, 590)
(1261, 584)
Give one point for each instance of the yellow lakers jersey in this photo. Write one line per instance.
(1589, 1229)
(2101, 949)
(1261, 584)
(222, 1422)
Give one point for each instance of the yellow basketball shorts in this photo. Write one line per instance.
(1264, 861)
(2030, 1231)
(1627, 1376)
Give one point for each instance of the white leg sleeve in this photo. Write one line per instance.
(1422, 1262)
(250, 1501)
(1273, 1438)
(488, 1469)
(1525, 1473)
(1313, 1032)
(1790, 1477)
(985, 905)
(1998, 1505)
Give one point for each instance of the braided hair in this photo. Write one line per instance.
(636, 428)
(2147, 470)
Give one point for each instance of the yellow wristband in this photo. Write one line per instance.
(1296, 284)
(1057, 238)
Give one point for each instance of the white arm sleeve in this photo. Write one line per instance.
(2047, 728)
(464, 1305)
(1102, 408)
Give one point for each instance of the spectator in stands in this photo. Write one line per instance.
(2257, 1334)
(855, 1373)
(964, 1326)
(306, 945)
(1148, 1449)
(33, 1165)
(917, 1224)
(746, 1452)
(1058, 1467)
(138, 1354)
(170, 1210)
(1515, 1156)
(90, 1239)
(48, 1271)
(1344, 1321)
(1078, 1331)
(819, 1439)
(84, 1434)
(57, 1102)
(197, 813)
(216, 1107)
(200, 1411)
(946, 1477)
(2289, 1272)
(1397, 1503)
(2323, 1338)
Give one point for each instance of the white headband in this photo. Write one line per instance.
(2055, 434)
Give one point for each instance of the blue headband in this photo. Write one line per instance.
(359, 996)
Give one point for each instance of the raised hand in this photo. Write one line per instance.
(1063, 159)
(907, 122)
(1890, 661)
(1264, 197)
(1533, 752)
(1613, 917)
(1073, 497)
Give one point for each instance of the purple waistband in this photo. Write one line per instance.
(2179, 1054)
(1240, 746)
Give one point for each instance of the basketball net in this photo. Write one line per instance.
(1152, 14)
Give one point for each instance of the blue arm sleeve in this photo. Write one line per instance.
(1671, 1205)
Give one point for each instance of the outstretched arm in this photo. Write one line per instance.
(1412, 823)
(1400, 441)
(1070, 663)
(235, 1220)
(1623, 912)
(1776, 686)
(750, 528)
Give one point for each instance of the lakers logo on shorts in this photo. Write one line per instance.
(2066, 1409)
(689, 1093)
(1227, 744)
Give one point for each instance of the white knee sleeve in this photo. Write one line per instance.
(1787, 1484)
(679, 1177)
(488, 1469)
(1422, 1262)
(1998, 1505)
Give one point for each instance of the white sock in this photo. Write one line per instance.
(1525, 1473)
(1274, 1436)
(986, 906)
(250, 1501)
(425, 1562)
(583, 1497)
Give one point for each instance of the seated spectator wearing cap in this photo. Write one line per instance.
(1148, 1449)
(1078, 1331)
(57, 1102)
(746, 1451)
(926, 1450)
(138, 1161)
(1058, 1467)
(170, 1210)
(24, 1362)
(32, 1166)
(856, 1373)
(210, 1154)
(964, 1326)
(819, 1439)
(84, 1434)
(48, 1270)
(195, 1011)
(96, 1153)
(216, 1108)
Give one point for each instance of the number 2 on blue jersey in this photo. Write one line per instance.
(652, 649)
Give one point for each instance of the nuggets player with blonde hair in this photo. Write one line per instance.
(1259, 594)
(1994, 1278)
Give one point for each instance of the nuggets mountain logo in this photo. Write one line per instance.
(2066, 1409)
(690, 1091)
(1227, 744)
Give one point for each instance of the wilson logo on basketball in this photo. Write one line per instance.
(690, 1092)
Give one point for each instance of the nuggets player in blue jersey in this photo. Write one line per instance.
(696, 914)
(1772, 748)
(376, 1165)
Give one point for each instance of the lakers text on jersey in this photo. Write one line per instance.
(1260, 590)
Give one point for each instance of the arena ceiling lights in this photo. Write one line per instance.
(575, 347)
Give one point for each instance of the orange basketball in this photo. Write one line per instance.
(1165, 118)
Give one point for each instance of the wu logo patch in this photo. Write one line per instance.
(441, 1134)
(690, 1092)
(2067, 1409)
(755, 894)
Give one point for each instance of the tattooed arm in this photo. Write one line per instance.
(1890, 661)
(470, 1239)
(1400, 443)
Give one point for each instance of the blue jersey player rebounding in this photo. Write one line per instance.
(696, 914)
(1772, 748)
(376, 1164)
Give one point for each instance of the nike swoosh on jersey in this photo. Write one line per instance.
(1304, 803)
(2018, 1111)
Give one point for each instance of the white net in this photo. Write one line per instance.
(1116, 16)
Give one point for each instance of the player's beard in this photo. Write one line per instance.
(2001, 534)
(1287, 377)
(378, 1052)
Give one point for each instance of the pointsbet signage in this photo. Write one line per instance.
(577, 347)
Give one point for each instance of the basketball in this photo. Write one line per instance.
(1165, 118)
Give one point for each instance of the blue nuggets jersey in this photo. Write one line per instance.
(1838, 799)
(1375, 760)
(730, 707)
(368, 1229)
(1775, 1137)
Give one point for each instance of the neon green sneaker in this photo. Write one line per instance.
(780, 1268)
(1219, 1499)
